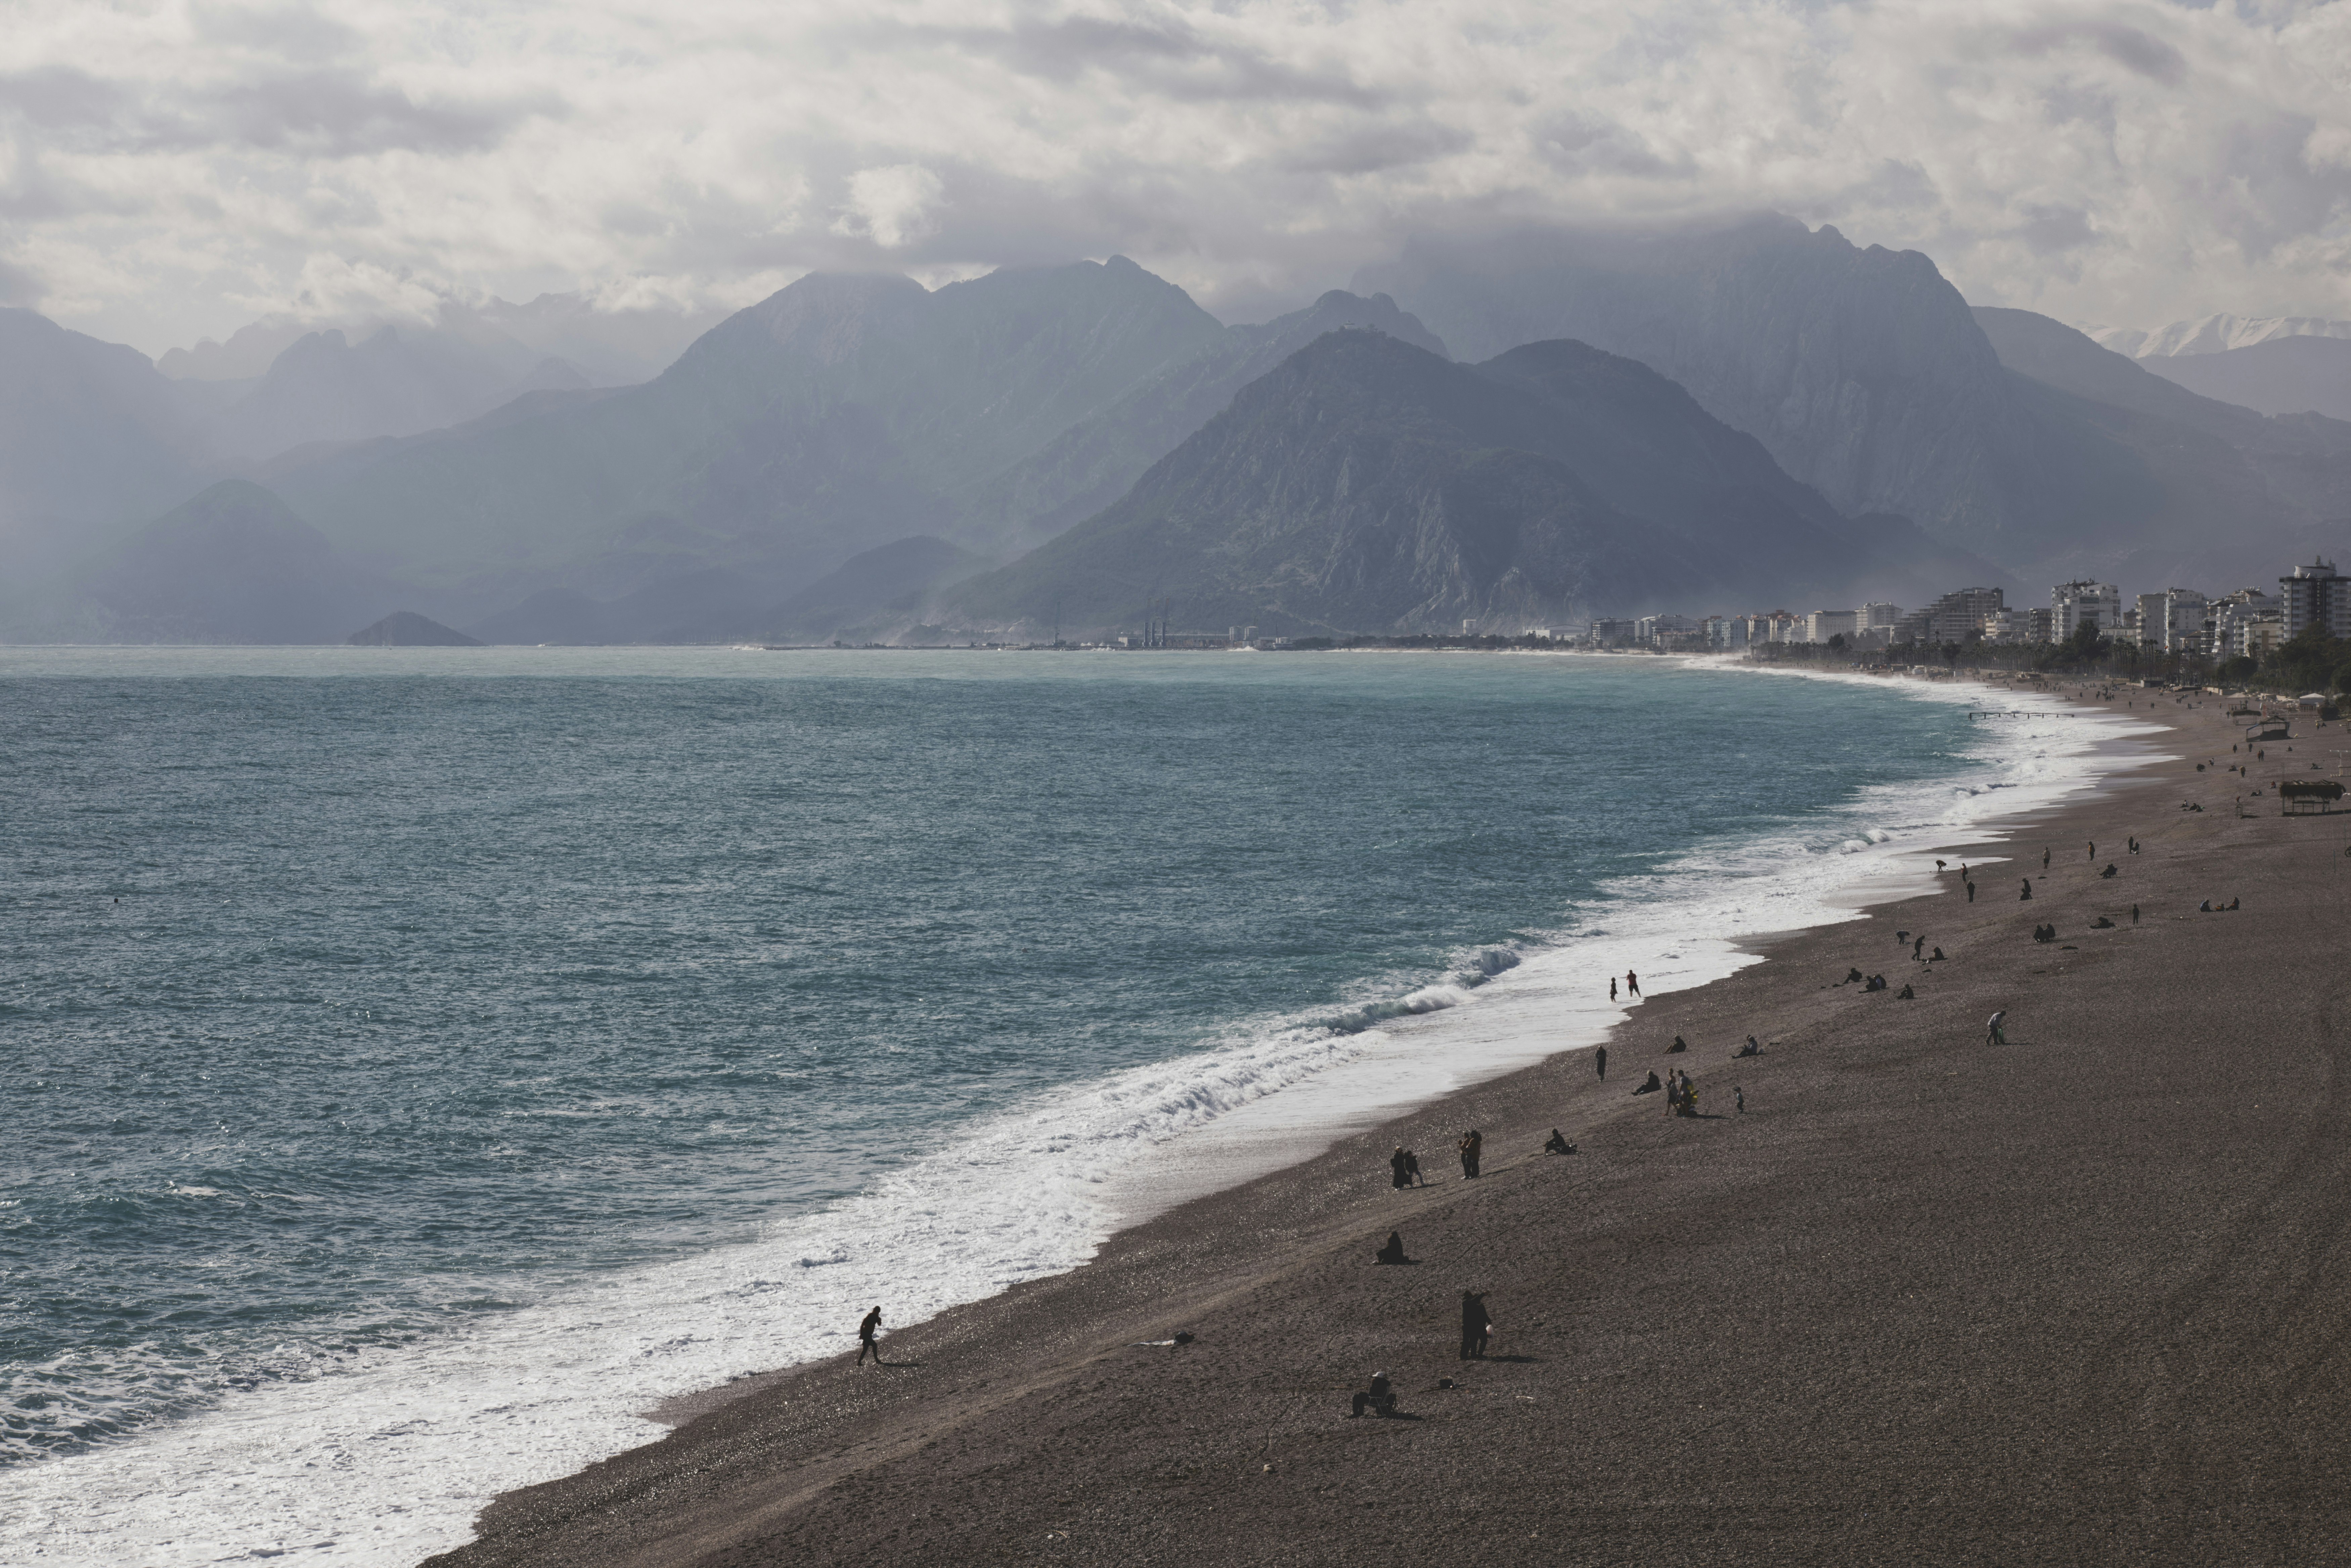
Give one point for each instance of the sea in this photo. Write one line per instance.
(419, 1065)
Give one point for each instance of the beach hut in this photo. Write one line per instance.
(2310, 701)
(2273, 727)
(2302, 796)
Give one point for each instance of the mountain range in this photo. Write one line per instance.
(1753, 413)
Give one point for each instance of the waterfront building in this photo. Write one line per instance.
(1958, 617)
(2077, 605)
(1822, 624)
(2316, 595)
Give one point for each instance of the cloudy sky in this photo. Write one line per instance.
(174, 169)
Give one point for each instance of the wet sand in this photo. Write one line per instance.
(2077, 1298)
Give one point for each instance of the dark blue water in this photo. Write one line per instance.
(346, 994)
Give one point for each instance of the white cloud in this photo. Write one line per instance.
(175, 169)
(891, 206)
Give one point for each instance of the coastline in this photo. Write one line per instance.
(1908, 1235)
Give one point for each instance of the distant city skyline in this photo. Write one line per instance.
(174, 173)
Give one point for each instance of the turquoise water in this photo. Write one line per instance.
(361, 1004)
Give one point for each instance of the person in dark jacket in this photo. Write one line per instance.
(1600, 1062)
(1379, 1401)
(1393, 1252)
(1400, 1168)
(1473, 1144)
(1476, 1326)
(865, 1332)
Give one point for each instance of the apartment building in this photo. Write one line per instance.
(2316, 595)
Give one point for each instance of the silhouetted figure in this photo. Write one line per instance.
(2044, 858)
(1557, 1144)
(1739, 1098)
(1399, 1168)
(865, 1332)
(1651, 1087)
(1379, 1401)
(1993, 1035)
(2232, 904)
(1412, 1168)
(1600, 1062)
(1750, 1049)
(2027, 893)
(2134, 914)
(1476, 1326)
(2110, 871)
(1972, 892)
(1612, 987)
(1678, 1045)
(1632, 982)
(1393, 1252)
(1473, 1143)
(1906, 995)
(1917, 947)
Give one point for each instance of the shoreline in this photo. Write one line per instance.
(991, 1389)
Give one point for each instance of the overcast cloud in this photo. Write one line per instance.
(173, 169)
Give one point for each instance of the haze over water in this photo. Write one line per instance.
(583, 1026)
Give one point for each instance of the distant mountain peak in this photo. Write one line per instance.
(407, 629)
(2215, 334)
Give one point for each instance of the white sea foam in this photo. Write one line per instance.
(385, 1456)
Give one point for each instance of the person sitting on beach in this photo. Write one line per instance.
(1932, 956)
(1393, 1252)
(1651, 1087)
(1379, 1401)
(2205, 907)
(1750, 1049)
(2110, 871)
(1906, 995)
(1877, 983)
(1678, 1045)
(1852, 977)
(1556, 1145)
(1472, 1143)
(1399, 1168)
(2232, 904)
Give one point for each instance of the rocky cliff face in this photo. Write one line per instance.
(1861, 370)
(1367, 485)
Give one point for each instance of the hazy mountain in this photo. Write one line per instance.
(400, 381)
(2281, 375)
(91, 439)
(838, 414)
(2239, 493)
(879, 590)
(2215, 334)
(1368, 484)
(1094, 462)
(1861, 370)
(609, 346)
(233, 565)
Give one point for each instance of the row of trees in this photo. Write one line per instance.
(2312, 661)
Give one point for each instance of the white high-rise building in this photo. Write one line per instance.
(2316, 595)
(2075, 604)
(1822, 624)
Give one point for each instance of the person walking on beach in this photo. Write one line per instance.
(2134, 914)
(865, 1332)
(1632, 982)
(1917, 948)
(1739, 1098)
(1476, 1326)
(2027, 893)
(2045, 857)
(1996, 1037)
(1399, 1168)
(1473, 1143)
(1972, 891)
(1600, 1062)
